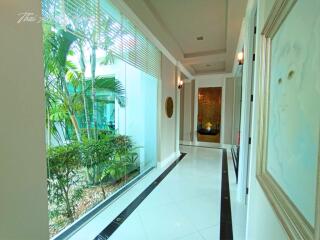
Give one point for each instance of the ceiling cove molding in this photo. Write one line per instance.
(205, 59)
(142, 27)
(205, 53)
(213, 76)
(184, 71)
(160, 21)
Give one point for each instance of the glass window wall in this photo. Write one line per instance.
(101, 109)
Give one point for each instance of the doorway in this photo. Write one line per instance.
(209, 114)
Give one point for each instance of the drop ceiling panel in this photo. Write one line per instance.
(177, 24)
(185, 20)
(209, 67)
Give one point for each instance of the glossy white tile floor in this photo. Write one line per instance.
(238, 210)
(184, 206)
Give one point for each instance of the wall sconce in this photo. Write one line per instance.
(241, 58)
(180, 84)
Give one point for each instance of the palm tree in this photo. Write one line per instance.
(113, 86)
(56, 67)
(66, 85)
(94, 32)
(97, 32)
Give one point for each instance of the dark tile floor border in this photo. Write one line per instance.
(112, 227)
(74, 227)
(225, 215)
(226, 232)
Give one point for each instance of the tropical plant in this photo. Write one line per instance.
(68, 91)
(124, 159)
(83, 153)
(96, 155)
(58, 72)
(64, 182)
(92, 38)
(109, 159)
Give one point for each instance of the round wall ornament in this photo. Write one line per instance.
(169, 107)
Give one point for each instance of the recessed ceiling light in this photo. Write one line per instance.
(200, 38)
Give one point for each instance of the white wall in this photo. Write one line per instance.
(181, 126)
(229, 103)
(23, 201)
(186, 115)
(216, 80)
(262, 222)
(236, 108)
(168, 125)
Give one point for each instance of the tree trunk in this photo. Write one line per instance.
(93, 89)
(68, 206)
(83, 83)
(48, 130)
(71, 111)
(75, 126)
(103, 192)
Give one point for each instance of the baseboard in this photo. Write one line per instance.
(207, 144)
(167, 161)
(186, 142)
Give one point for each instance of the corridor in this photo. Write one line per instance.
(185, 205)
(160, 120)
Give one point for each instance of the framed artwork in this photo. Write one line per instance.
(209, 114)
(289, 144)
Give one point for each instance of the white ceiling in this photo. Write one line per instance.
(178, 23)
(187, 19)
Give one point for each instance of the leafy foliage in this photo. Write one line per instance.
(64, 182)
(124, 159)
(97, 155)
(106, 160)
(81, 153)
(114, 86)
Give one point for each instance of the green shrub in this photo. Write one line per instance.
(122, 144)
(107, 160)
(64, 183)
(96, 156)
(124, 159)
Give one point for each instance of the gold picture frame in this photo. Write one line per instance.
(293, 221)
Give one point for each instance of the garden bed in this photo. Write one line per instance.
(91, 196)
